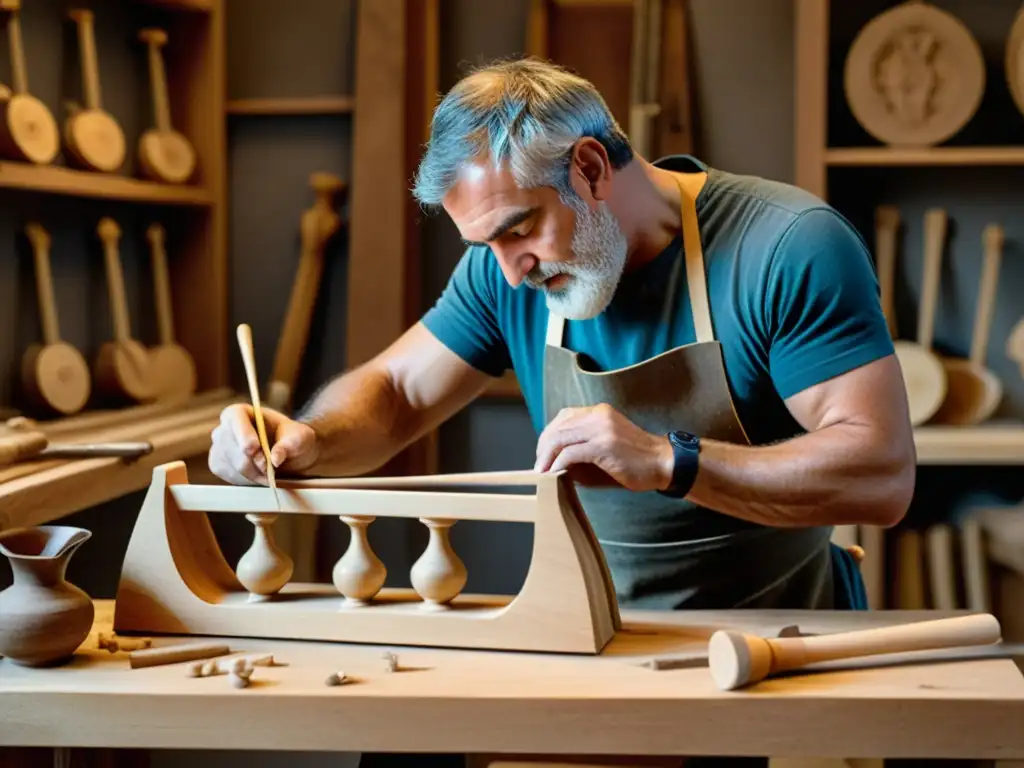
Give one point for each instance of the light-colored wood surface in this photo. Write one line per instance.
(530, 703)
(175, 579)
(811, 97)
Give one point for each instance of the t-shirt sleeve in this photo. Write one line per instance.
(823, 313)
(465, 317)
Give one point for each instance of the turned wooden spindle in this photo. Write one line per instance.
(265, 567)
(359, 574)
(439, 575)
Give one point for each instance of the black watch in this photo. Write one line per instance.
(686, 452)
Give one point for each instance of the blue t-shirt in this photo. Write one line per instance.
(791, 285)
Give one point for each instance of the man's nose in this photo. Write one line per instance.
(515, 265)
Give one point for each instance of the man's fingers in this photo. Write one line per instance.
(578, 453)
(291, 440)
(238, 419)
(553, 441)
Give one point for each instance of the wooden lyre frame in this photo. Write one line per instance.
(175, 579)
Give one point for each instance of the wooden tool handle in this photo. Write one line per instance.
(40, 240)
(318, 224)
(157, 237)
(736, 659)
(887, 222)
(127, 449)
(976, 629)
(87, 48)
(249, 360)
(992, 239)
(935, 223)
(22, 446)
(156, 39)
(110, 233)
(19, 75)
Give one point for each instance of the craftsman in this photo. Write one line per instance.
(704, 350)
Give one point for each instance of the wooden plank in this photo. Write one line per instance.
(927, 156)
(811, 95)
(530, 702)
(308, 105)
(984, 444)
(56, 180)
(375, 311)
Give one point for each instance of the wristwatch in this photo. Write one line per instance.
(686, 453)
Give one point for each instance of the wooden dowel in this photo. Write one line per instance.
(173, 654)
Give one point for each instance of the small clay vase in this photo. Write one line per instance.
(43, 618)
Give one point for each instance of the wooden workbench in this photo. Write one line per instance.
(501, 702)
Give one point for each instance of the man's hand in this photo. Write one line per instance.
(236, 456)
(606, 440)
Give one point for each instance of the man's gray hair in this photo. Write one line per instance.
(525, 113)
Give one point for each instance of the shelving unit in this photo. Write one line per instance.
(197, 259)
(906, 567)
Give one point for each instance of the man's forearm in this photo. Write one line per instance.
(841, 474)
(358, 418)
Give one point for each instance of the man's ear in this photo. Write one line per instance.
(591, 170)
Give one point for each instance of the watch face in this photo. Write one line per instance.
(686, 438)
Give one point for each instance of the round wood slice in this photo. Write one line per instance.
(31, 132)
(1014, 62)
(915, 75)
(972, 396)
(925, 380)
(57, 376)
(123, 369)
(166, 156)
(173, 371)
(95, 139)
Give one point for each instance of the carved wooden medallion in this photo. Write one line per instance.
(914, 75)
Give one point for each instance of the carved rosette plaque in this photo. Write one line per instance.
(914, 75)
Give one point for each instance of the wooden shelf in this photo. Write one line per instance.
(1001, 443)
(894, 156)
(200, 6)
(66, 181)
(507, 388)
(311, 105)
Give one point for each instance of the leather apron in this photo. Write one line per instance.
(666, 553)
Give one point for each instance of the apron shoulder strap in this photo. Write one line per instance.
(556, 325)
(696, 281)
(689, 187)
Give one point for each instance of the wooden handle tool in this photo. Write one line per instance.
(249, 360)
(164, 153)
(923, 372)
(94, 139)
(318, 224)
(737, 659)
(174, 370)
(31, 446)
(123, 367)
(974, 391)
(54, 374)
(28, 129)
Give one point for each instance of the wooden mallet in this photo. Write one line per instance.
(738, 659)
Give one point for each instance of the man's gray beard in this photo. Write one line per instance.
(599, 256)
